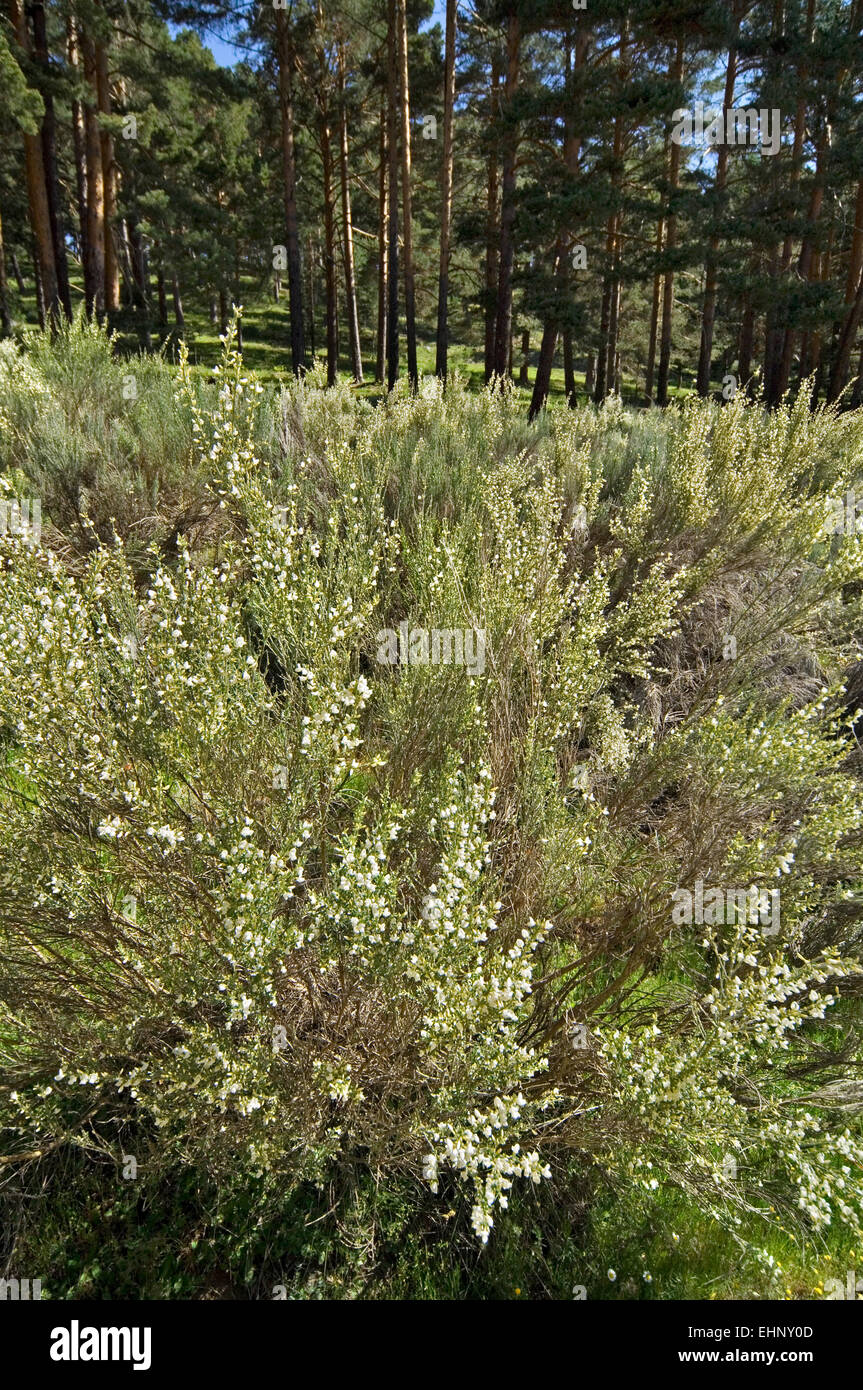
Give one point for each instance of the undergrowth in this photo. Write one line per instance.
(371, 966)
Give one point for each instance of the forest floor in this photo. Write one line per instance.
(266, 348)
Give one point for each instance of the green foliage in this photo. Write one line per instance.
(96, 434)
(21, 105)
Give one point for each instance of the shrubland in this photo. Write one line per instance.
(371, 969)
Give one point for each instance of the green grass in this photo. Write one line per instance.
(266, 347)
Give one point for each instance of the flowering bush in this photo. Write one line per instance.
(284, 907)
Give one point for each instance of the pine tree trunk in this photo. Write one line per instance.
(5, 318)
(670, 244)
(392, 200)
(312, 298)
(656, 303)
(616, 277)
(16, 271)
(348, 230)
(492, 235)
(37, 198)
(94, 278)
(506, 261)
(569, 370)
(708, 311)
(747, 340)
(524, 370)
(600, 389)
(41, 225)
(544, 364)
(608, 317)
(847, 339)
(238, 296)
(857, 394)
(109, 184)
(655, 309)
(49, 155)
(590, 374)
(40, 289)
(407, 216)
(446, 190)
(810, 341)
(614, 315)
(134, 257)
(773, 325)
(551, 327)
(383, 217)
(177, 298)
(810, 348)
(855, 260)
(329, 251)
(139, 263)
(128, 287)
(162, 298)
(79, 142)
(773, 330)
(609, 311)
(778, 370)
(853, 281)
(285, 60)
(804, 270)
(329, 231)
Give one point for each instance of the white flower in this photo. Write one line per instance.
(430, 1171)
(482, 1223)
